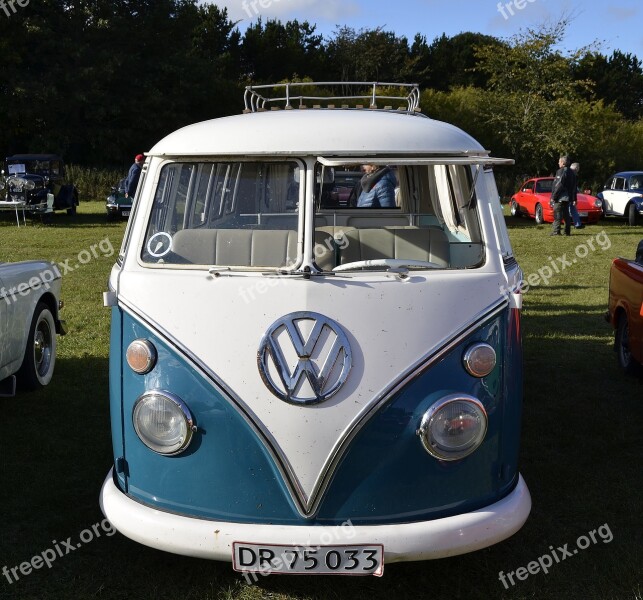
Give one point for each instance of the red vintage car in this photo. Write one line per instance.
(625, 310)
(532, 200)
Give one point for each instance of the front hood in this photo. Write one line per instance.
(391, 326)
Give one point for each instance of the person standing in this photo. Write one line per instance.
(134, 174)
(562, 192)
(573, 210)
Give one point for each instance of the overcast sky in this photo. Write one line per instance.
(616, 27)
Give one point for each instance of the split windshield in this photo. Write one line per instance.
(246, 215)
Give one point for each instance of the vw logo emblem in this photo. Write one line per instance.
(304, 358)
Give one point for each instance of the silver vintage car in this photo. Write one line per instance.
(29, 321)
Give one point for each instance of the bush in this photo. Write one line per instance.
(93, 184)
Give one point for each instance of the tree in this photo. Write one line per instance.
(451, 62)
(532, 95)
(617, 80)
(368, 55)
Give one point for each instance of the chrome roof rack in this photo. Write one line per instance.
(282, 95)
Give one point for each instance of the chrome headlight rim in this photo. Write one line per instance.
(425, 433)
(469, 355)
(145, 349)
(184, 412)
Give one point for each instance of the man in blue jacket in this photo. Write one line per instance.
(131, 183)
(378, 188)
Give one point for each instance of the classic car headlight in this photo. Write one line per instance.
(163, 422)
(479, 359)
(598, 203)
(454, 427)
(28, 185)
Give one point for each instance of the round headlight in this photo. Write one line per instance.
(28, 185)
(163, 422)
(598, 203)
(141, 356)
(454, 427)
(479, 359)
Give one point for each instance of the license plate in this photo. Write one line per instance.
(126, 213)
(582, 214)
(315, 560)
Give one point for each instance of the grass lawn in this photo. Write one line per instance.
(581, 452)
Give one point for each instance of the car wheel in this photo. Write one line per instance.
(540, 219)
(38, 363)
(622, 344)
(514, 209)
(632, 214)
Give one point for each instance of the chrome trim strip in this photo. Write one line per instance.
(415, 371)
(297, 493)
(424, 432)
(308, 506)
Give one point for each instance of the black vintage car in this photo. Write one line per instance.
(39, 180)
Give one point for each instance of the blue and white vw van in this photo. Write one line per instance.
(300, 383)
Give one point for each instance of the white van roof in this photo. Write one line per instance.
(320, 131)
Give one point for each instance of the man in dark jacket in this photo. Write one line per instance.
(562, 193)
(131, 183)
(378, 187)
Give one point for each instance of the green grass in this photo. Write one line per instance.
(581, 451)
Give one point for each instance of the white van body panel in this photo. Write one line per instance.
(392, 327)
(302, 132)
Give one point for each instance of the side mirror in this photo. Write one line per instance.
(528, 191)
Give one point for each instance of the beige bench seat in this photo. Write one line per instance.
(333, 246)
(236, 247)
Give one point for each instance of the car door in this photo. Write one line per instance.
(527, 198)
(615, 196)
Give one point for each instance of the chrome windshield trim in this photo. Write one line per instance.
(400, 160)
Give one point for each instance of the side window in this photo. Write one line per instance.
(619, 183)
(528, 187)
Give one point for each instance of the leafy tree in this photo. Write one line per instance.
(276, 51)
(451, 61)
(532, 95)
(368, 55)
(617, 80)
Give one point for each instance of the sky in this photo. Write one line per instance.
(598, 24)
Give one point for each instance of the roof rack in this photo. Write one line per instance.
(284, 94)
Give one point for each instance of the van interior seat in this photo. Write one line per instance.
(428, 244)
(236, 247)
(333, 246)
